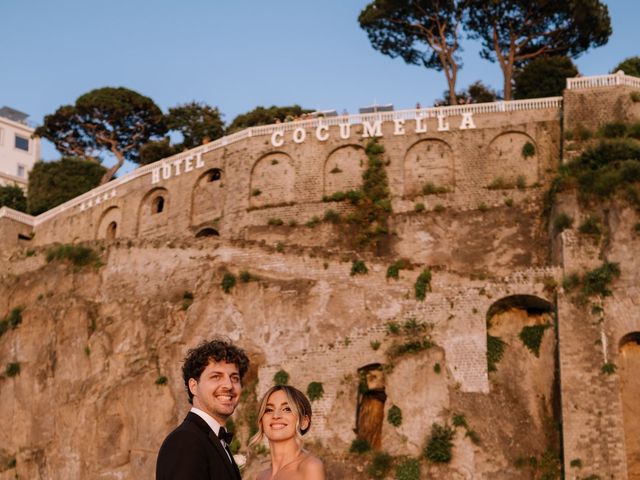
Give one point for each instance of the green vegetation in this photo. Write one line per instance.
(609, 368)
(315, 391)
(543, 77)
(279, 247)
(483, 207)
(438, 207)
(508, 202)
(394, 416)
(531, 336)
(13, 197)
(256, 192)
(281, 377)
(332, 216)
(495, 350)
(408, 470)
(576, 463)
(419, 207)
(613, 130)
(359, 445)
(313, 222)
(358, 267)
(528, 150)
(499, 183)
(439, 445)
(245, 276)
(77, 255)
(630, 66)
(228, 282)
(416, 338)
(561, 222)
(12, 369)
(12, 320)
(459, 420)
(590, 226)
(596, 282)
(380, 465)
(354, 196)
(437, 368)
(394, 269)
(423, 284)
(265, 116)
(187, 300)
(118, 121)
(162, 380)
(521, 182)
(375, 344)
(570, 282)
(275, 222)
(430, 189)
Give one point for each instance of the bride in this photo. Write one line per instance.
(284, 416)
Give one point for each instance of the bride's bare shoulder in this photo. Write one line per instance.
(264, 474)
(312, 468)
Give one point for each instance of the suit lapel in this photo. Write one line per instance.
(232, 468)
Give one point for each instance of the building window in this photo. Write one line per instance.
(157, 206)
(21, 171)
(22, 143)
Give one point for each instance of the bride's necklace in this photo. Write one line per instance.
(287, 464)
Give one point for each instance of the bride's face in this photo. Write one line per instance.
(280, 419)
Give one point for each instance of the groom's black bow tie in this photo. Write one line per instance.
(225, 436)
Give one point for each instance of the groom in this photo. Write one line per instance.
(199, 448)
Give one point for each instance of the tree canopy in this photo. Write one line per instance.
(53, 183)
(543, 77)
(115, 120)
(421, 32)
(630, 66)
(514, 32)
(197, 122)
(265, 116)
(12, 196)
(477, 92)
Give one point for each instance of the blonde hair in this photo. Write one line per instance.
(298, 402)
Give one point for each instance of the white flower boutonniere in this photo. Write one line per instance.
(241, 460)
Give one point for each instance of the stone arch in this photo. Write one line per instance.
(207, 232)
(207, 196)
(105, 230)
(153, 212)
(343, 169)
(629, 372)
(522, 328)
(428, 161)
(370, 408)
(506, 160)
(272, 180)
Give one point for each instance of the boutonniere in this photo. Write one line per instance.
(240, 460)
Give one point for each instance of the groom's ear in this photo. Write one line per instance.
(193, 383)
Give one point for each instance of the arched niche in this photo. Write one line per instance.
(272, 180)
(153, 212)
(521, 359)
(629, 372)
(109, 226)
(428, 161)
(207, 232)
(370, 408)
(511, 155)
(207, 197)
(343, 169)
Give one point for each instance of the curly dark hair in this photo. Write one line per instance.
(218, 350)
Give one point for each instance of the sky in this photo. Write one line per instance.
(232, 54)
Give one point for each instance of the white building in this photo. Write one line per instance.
(18, 151)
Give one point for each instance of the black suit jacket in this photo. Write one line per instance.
(193, 452)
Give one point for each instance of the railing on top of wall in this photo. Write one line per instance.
(104, 192)
(613, 80)
(16, 215)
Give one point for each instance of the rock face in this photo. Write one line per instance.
(457, 325)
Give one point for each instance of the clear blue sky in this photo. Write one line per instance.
(233, 54)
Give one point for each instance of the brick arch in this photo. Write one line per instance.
(272, 180)
(111, 215)
(504, 158)
(629, 372)
(149, 221)
(430, 160)
(207, 196)
(343, 169)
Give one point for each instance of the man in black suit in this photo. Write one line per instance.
(198, 449)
